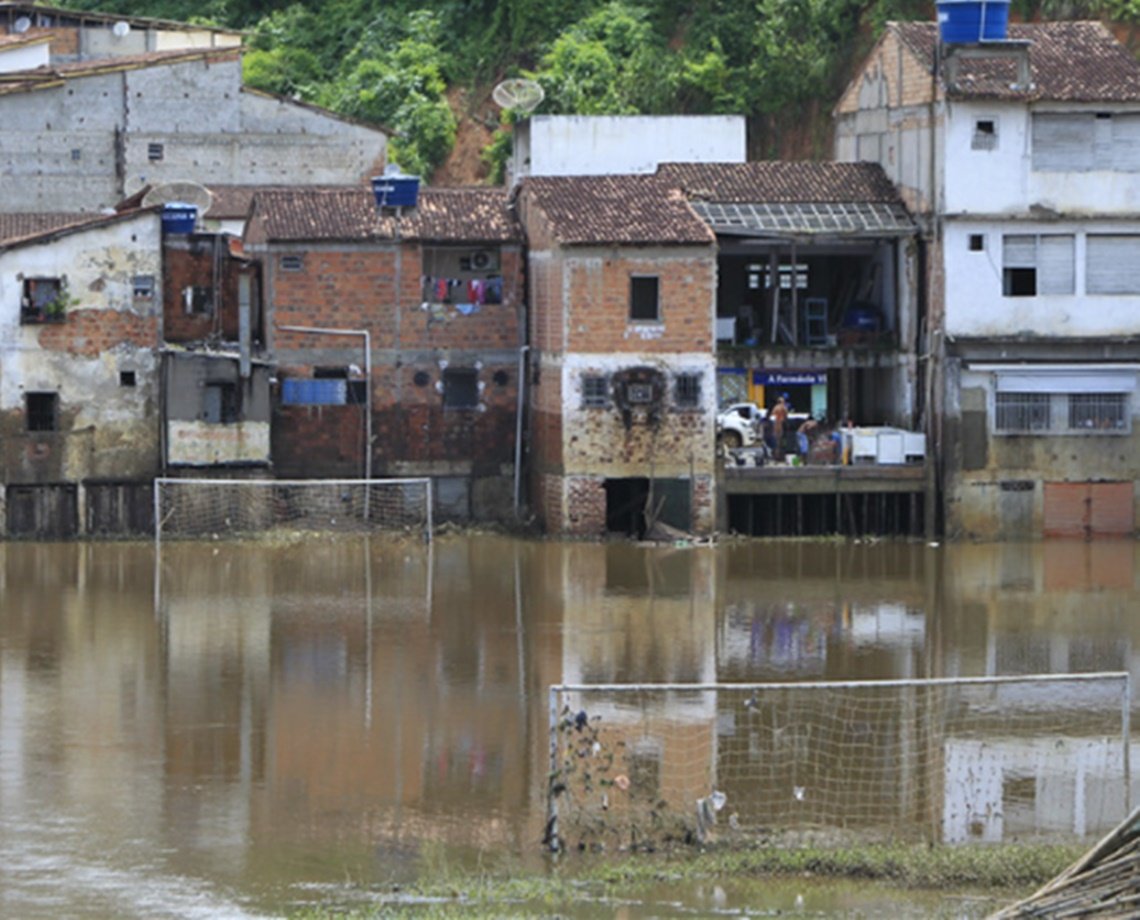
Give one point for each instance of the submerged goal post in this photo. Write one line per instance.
(1043, 757)
(251, 508)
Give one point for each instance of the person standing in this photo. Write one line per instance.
(779, 416)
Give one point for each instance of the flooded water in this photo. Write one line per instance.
(236, 730)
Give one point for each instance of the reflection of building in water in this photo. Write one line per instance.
(1052, 607)
(1005, 789)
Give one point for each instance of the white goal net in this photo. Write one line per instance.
(244, 508)
(940, 760)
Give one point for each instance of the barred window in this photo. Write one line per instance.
(1099, 411)
(985, 134)
(1017, 412)
(687, 394)
(595, 392)
(1062, 413)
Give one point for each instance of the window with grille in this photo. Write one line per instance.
(643, 299)
(142, 287)
(155, 152)
(595, 392)
(985, 134)
(687, 393)
(41, 411)
(292, 263)
(1037, 264)
(460, 388)
(1062, 413)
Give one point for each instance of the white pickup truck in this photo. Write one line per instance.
(740, 425)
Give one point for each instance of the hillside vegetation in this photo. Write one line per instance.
(424, 69)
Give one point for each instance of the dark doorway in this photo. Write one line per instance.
(625, 506)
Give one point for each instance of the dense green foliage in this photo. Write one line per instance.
(391, 62)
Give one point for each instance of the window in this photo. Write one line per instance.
(460, 388)
(355, 391)
(1033, 265)
(1062, 413)
(1112, 264)
(155, 152)
(142, 287)
(687, 394)
(41, 411)
(985, 134)
(292, 263)
(643, 305)
(977, 242)
(198, 300)
(595, 392)
(221, 403)
(126, 378)
(44, 301)
(76, 154)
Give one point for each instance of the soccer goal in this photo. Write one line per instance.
(955, 760)
(245, 508)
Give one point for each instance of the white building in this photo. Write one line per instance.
(1020, 159)
(599, 145)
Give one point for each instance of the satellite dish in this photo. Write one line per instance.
(518, 95)
(179, 193)
(21, 25)
(121, 29)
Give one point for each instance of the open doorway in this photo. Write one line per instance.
(625, 506)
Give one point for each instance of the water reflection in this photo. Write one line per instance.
(238, 720)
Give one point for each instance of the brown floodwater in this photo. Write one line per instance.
(238, 730)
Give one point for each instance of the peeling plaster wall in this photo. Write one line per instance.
(105, 429)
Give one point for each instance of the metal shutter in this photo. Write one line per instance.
(1055, 265)
(1063, 142)
(1113, 264)
(1110, 508)
(1019, 251)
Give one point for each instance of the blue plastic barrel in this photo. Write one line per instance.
(961, 21)
(179, 218)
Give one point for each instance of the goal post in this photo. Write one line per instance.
(941, 760)
(190, 508)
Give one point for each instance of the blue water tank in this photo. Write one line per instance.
(393, 191)
(962, 21)
(178, 217)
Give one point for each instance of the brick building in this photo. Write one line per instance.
(622, 394)
(406, 329)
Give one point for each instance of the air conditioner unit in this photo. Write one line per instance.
(483, 260)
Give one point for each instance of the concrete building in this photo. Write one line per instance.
(104, 128)
(1019, 158)
(622, 393)
(80, 314)
(402, 330)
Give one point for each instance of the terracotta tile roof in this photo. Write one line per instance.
(1068, 62)
(461, 215)
(637, 209)
(15, 226)
(786, 182)
(18, 229)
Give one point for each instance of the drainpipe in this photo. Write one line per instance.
(523, 349)
(319, 330)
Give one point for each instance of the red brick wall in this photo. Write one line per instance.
(187, 264)
(90, 333)
(318, 441)
(598, 308)
(354, 289)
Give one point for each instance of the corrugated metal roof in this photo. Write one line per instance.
(467, 215)
(631, 210)
(1068, 62)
